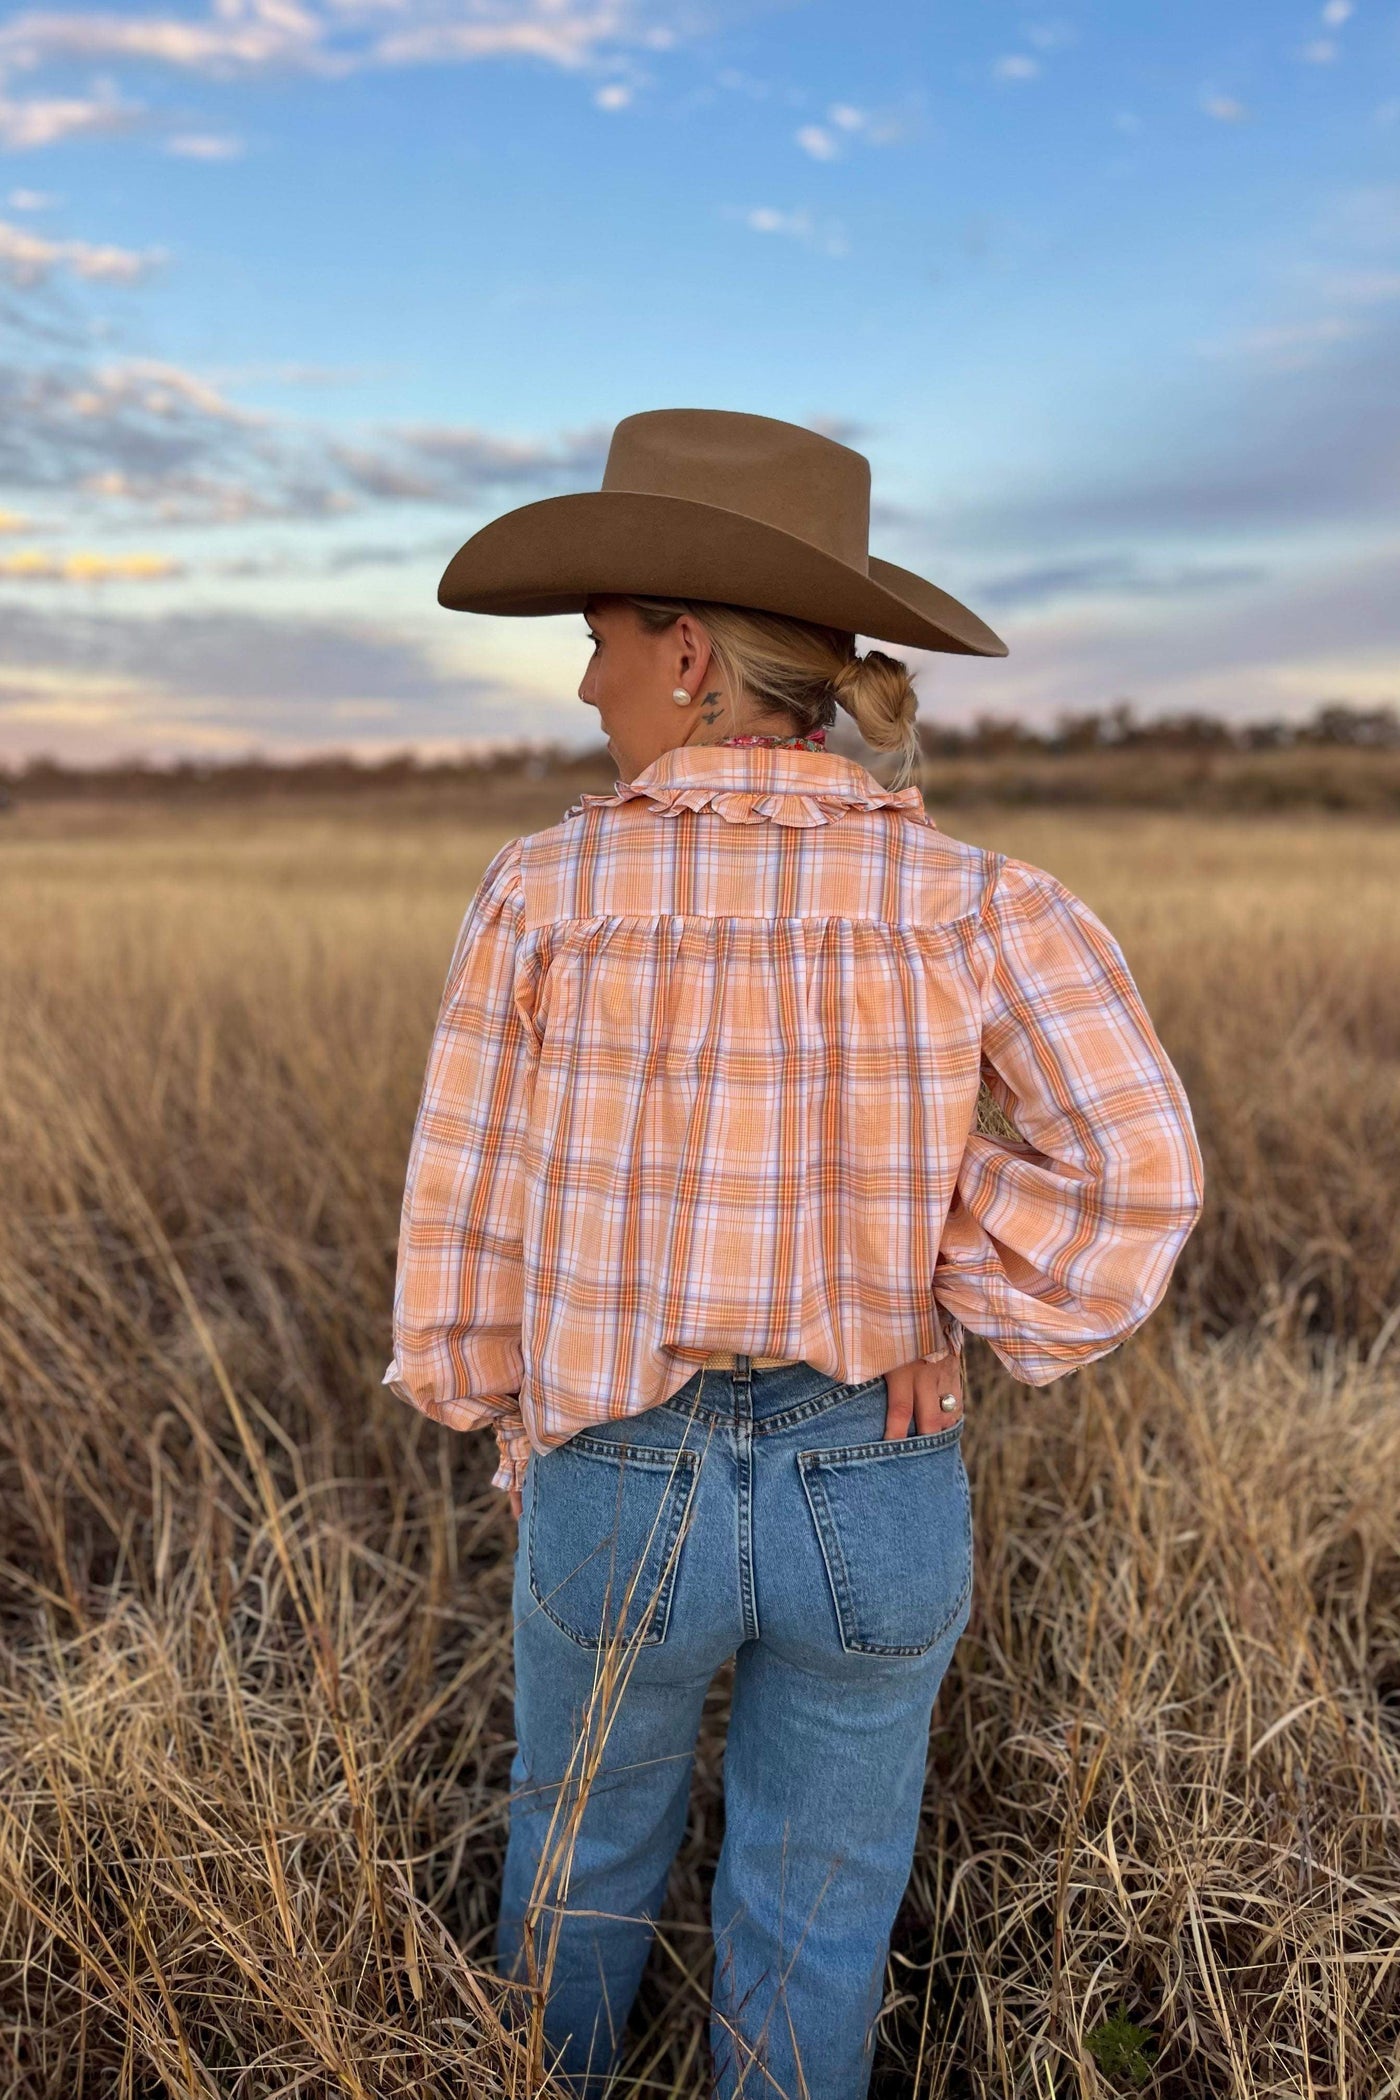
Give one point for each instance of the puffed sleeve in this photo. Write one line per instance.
(1057, 1248)
(458, 1288)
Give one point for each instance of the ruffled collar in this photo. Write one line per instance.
(755, 784)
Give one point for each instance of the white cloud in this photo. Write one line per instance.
(819, 143)
(238, 39)
(1336, 12)
(1127, 121)
(204, 145)
(241, 35)
(876, 127)
(30, 200)
(437, 463)
(845, 122)
(566, 33)
(798, 225)
(766, 218)
(160, 390)
(43, 121)
(140, 434)
(235, 38)
(1016, 65)
(1224, 108)
(1321, 52)
(30, 565)
(27, 258)
(177, 497)
(149, 439)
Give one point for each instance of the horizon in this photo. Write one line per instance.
(296, 296)
(1332, 726)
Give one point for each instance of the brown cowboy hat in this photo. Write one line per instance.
(703, 503)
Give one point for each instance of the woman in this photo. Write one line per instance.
(697, 1210)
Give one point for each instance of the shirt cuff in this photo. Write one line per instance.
(514, 1448)
(512, 1441)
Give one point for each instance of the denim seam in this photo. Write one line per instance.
(832, 1556)
(809, 1463)
(682, 1493)
(657, 1456)
(689, 1463)
(819, 1403)
(888, 1447)
(743, 1453)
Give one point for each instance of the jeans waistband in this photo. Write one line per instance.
(751, 1393)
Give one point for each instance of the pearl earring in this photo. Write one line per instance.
(680, 696)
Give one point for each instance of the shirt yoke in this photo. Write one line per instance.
(630, 861)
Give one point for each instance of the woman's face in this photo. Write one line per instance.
(632, 675)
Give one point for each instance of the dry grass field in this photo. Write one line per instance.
(254, 1654)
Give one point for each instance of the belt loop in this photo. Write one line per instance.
(743, 1386)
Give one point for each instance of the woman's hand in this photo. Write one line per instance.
(914, 1393)
(515, 1503)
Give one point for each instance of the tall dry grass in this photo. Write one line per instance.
(254, 1688)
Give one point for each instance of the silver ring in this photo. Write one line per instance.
(949, 1402)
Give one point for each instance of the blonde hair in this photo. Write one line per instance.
(798, 668)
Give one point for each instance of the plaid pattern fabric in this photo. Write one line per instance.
(705, 1077)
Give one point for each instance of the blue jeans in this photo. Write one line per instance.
(761, 1515)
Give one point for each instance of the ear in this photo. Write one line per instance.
(694, 645)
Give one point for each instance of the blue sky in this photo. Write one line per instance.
(294, 294)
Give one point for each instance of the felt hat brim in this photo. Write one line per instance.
(551, 556)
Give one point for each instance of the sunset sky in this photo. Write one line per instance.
(295, 294)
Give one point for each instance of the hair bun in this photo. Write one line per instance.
(878, 693)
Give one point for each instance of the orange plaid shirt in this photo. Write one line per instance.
(705, 1077)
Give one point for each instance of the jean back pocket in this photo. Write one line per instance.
(605, 1528)
(894, 1523)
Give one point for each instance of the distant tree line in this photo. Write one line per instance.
(1336, 725)
(329, 772)
(1119, 728)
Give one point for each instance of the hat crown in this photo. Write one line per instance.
(786, 476)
